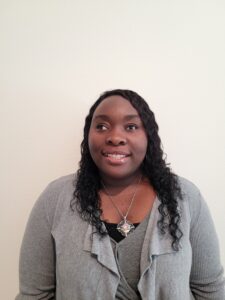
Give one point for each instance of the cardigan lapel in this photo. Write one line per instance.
(154, 242)
(101, 248)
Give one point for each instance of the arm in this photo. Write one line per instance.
(37, 256)
(206, 278)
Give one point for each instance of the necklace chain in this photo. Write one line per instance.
(131, 201)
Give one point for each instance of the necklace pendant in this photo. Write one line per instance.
(125, 227)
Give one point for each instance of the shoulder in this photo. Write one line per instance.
(193, 201)
(59, 184)
(188, 187)
(190, 191)
(55, 196)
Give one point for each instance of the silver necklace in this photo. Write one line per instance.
(125, 226)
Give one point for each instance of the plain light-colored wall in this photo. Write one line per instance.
(56, 57)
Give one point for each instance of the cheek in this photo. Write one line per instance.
(142, 146)
(90, 142)
(93, 143)
(142, 152)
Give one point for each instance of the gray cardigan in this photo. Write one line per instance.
(61, 259)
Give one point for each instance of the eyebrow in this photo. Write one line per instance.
(126, 118)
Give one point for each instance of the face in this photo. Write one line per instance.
(117, 139)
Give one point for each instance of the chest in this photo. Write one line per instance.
(86, 266)
(114, 208)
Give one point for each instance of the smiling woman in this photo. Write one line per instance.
(117, 140)
(123, 226)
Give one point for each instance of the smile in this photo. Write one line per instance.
(115, 154)
(116, 157)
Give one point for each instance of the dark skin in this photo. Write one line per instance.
(142, 204)
(118, 144)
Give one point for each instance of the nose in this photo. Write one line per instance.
(116, 139)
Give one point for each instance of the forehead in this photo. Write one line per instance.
(115, 105)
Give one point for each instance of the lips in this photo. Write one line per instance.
(115, 156)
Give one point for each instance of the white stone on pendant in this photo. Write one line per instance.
(125, 227)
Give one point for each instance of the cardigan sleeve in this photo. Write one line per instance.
(37, 255)
(206, 280)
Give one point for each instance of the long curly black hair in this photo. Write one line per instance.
(154, 167)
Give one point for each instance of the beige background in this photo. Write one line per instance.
(56, 57)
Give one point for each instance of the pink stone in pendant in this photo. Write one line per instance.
(125, 227)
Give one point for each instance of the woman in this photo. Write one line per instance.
(125, 226)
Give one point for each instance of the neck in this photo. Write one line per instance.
(120, 183)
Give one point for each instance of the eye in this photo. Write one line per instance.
(101, 127)
(131, 127)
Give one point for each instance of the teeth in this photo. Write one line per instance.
(116, 156)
